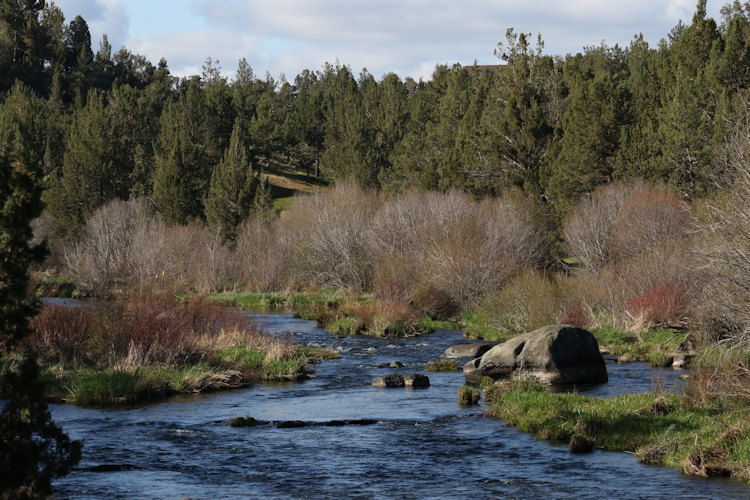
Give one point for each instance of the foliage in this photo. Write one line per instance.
(33, 449)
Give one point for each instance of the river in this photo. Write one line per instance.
(424, 445)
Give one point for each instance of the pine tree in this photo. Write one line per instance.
(307, 121)
(185, 155)
(97, 162)
(591, 130)
(517, 124)
(33, 450)
(24, 44)
(686, 121)
(233, 188)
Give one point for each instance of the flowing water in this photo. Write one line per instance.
(424, 445)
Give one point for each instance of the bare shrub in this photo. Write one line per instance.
(529, 301)
(103, 254)
(263, 260)
(325, 233)
(650, 289)
(725, 263)
(61, 333)
(646, 220)
(480, 253)
(442, 252)
(146, 330)
(590, 228)
(403, 230)
(180, 258)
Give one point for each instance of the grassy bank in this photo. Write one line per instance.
(298, 301)
(711, 440)
(146, 348)
(341, 313)
(230, 369)
(655, 345)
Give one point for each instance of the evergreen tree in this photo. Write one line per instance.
(97, 162)
(307, 121)
(233, 188)
(185, 154)
(33, 450)
(24, 44)
(686, 121)
(591, 130)
(517, 124)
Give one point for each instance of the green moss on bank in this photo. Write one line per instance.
(659, 429)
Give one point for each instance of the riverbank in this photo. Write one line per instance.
(147, 348)
(342, 313)
(232, 368)
(708, 441)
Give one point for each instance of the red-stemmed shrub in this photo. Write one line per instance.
(663, 303)
(62, 333)
(576, 315)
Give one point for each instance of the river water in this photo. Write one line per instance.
(424, 445)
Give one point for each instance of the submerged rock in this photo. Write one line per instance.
(389, 381)
(291, 424)
(555, 354)
(416, 381)
(245, 422)
(580, 444)
(474, 350)
(395, 364)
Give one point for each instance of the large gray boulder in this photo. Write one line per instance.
(474, 350)
(555, 354)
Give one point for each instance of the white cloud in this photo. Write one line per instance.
(186, 52)
(108, 17)
(406, 36)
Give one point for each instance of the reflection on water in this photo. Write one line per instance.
(425, 446)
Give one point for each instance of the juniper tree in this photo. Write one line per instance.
(233, 187)
(33, 450)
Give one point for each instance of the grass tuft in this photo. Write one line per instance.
(442, 365)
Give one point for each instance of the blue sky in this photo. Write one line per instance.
(405, 36)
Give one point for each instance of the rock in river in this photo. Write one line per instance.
(417, 381)
(555, 354)
(468, 350)
(392, 380)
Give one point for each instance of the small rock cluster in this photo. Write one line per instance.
(394, 380)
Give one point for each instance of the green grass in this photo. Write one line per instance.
(316, 354)
(661, 429)
(102, 388)
(348, 325)
(283, 300)
(442, 365)
(243, 357)
(475, 326)
(284, 203)
(468, 396)
(653, 345)
(232, 368)
(430, 325)
(56, 286)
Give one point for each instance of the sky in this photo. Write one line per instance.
(408, 37)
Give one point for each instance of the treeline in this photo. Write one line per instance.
(112, 125)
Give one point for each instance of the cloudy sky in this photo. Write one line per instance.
(405, 36)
